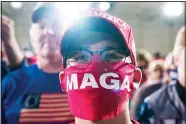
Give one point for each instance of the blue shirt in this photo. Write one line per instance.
(30, 95)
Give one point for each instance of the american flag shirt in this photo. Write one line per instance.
(30, 96)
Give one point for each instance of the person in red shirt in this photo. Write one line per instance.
(100, 71)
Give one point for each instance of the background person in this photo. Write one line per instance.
(144, 58)
(33, 94)
(154, 82)
(171, 107)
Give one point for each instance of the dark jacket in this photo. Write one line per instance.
(163, 107)
(145, 90)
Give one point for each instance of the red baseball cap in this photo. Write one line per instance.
(97, 20)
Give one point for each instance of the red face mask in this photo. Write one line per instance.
(99, 91)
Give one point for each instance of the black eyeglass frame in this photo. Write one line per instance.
(126, 53)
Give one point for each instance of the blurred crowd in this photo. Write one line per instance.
(160, 95)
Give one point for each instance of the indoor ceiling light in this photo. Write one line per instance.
(16, 5)
(104, 6)
(69, 12)
(173, 9)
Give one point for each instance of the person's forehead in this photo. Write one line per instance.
(96, 39)
(94, 35)
(48, 20)
(102, 45)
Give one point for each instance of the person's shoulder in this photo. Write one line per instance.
(19, 75)
(149, 85)
(25, 70)
(145, 87)
(160, 92)
(142, 88)
(156, 95)
(17, 79)
(153, 86)
(158, 98)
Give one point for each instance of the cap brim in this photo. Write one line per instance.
(43, 11)
(89, 24)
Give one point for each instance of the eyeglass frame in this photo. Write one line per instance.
(66, 56)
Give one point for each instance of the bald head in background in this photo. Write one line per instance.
(179, 55)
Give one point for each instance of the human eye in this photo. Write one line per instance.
(112, 56)
(79, 57)
(82, 57)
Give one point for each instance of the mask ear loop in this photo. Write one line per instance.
(61, 78)
(136, 83)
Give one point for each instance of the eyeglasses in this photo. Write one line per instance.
(83, 57)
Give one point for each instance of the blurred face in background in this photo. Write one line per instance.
(155, 70)
(45, 39)
(181, 67)
(143, 65)
(144, 57)
(171, 73)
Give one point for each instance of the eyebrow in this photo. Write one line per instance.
(107, 47)
(104, 48)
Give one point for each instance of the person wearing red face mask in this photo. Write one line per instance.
(99, 69)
